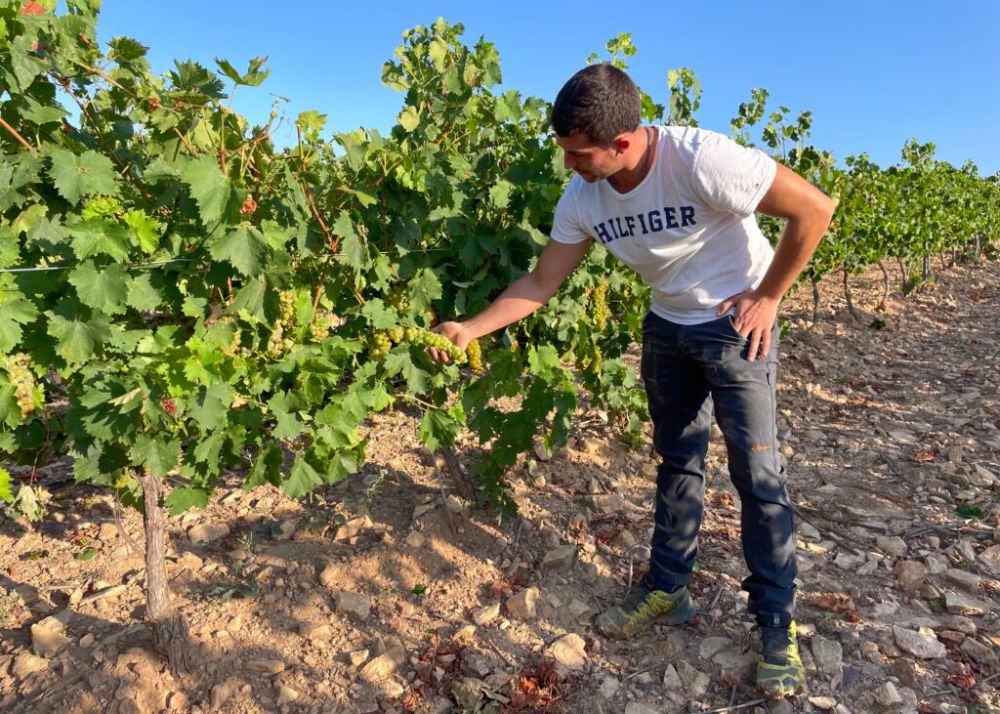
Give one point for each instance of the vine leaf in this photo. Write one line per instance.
(211, 408)
(13, 314)
(106, 289)
(209, 187)
(243, 247)
(77, 339)
(418, 380)
(440, 427)
(302, 479)
(158, 456)
(186, 497)
(75, 176)
(100, 237)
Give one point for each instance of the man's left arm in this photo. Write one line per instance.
(808, 212)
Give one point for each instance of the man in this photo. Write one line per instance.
(677, 205)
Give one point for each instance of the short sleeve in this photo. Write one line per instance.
(730, 177)
(566, 226)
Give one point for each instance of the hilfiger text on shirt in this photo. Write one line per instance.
(650, 222)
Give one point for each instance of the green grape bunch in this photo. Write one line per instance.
(419, 337)
(23, 379)
(600, 306)
(286, 301)
(379, 346)
(235, 345)
(474, 353)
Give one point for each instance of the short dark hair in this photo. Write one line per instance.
(600, 101)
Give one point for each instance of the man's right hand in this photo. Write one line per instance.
(454, 331)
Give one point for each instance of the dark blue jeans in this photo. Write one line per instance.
(688, 369)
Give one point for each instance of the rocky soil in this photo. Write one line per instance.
(392, 592)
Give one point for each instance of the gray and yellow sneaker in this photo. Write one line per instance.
(644, 607)
(780, 672)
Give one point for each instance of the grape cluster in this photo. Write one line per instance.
(319, 326)
(380, 346)
(425, 338)
(474, 352)
(235, 345)
(600, 306)
(286, 302)
(382, 342)
(278, 344)
(23, 379)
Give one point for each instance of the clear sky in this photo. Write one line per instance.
(874, 73)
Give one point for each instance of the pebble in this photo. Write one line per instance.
(559, 558)
(207, 532)
(486, 614)
(286, 694)
(695, 682)
(266, 666)
(961, 605)
(910, 574)
(828, 654)
(920, 643)
(568, 653)
(356, 604)
(524, 604)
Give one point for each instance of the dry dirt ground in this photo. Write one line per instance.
(392, 593)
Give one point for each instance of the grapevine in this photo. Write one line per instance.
(160, 278)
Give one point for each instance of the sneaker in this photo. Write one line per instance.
(644, 607)
(780, 672)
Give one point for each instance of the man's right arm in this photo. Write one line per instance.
(521, 298)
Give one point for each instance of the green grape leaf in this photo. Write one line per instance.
(424, 288)
(144, 229)
(211, 408)
(144, 294)
(267, 469)
(252, 297)
(75, 176)
(106, 289)
(157, 455)
(409, 119)
(440, 427)
(14, 312)
(209, 187)
(351, 244)
(243, 247)
(98, 236)
(184, 498)
(302, 479)
(379, 316)
(500, 193)
(418, 380)
(5, 492)
(77, 339)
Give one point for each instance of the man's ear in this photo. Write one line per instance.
(621, 143)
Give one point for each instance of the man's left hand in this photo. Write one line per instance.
(754, 318)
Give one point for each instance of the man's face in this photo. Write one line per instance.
(592, 162)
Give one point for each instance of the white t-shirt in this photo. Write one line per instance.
(688, 228)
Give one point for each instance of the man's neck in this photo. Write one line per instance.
(638, 161)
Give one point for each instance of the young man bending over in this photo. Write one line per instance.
(676, 204)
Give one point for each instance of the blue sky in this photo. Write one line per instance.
(874, 73)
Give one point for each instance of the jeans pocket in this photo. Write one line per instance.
(730, 321)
